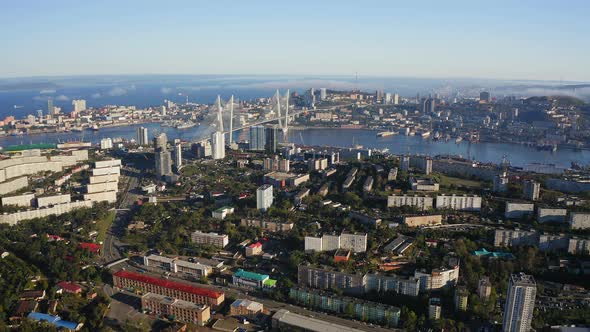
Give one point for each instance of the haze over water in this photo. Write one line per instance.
(518, 155)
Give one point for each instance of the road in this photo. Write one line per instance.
(129, 182)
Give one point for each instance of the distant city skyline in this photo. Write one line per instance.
(528, 40)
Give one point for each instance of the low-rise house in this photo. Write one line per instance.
(68, 287)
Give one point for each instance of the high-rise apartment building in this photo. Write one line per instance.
(50, 107)
(520, 303)
(142, 136)
(429, 106)
(405, 163)
(531, 190)
(160, 142)
(218, 145)
(257, 138)
(79, 105)
(271, 138)
(178, 155)
(264, 197)
(163, 163)
(485, 97)
(323, 94)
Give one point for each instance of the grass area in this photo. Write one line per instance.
(104, 224)
(446, 181)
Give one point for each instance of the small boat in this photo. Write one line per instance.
(425, 134)
(458, 139)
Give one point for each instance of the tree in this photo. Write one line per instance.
(409, 319)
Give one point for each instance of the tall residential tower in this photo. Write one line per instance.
(520, 303)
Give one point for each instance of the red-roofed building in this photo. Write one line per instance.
(341, 255)
(254, 249)
(182, 291)
(92, 247)
(68, 287)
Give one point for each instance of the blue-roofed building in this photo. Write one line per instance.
(493, 254)
(55, 320)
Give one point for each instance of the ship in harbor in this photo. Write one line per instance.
(186, 125)
(459, 139)
(547, 147)
(386, 133)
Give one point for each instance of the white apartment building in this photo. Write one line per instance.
(421, 202)
(461, 203)
(212, 239)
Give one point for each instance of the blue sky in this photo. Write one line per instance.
(522, 39)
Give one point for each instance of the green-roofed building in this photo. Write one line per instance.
(252, 280)
(40, 146)
(270, 283)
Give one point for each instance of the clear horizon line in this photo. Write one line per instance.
(302, 76)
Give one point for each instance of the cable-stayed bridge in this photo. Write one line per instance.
(279, 110)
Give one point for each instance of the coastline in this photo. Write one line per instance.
(54, 131)
(527, 144)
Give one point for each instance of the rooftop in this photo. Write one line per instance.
(69, 286)
(494, 254)
(174, 302)
(250, 305)
(168, 284)
(310, 324)
(523, 279)
(54, 320)
(279, 176)
(92, 247)
(251, 275)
